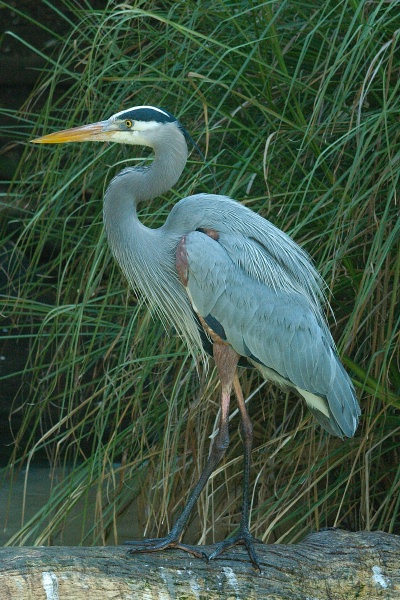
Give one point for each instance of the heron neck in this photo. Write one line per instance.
(147, 256)
(138, 184)
(170, 156)
(134, 185)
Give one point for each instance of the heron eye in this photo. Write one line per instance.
(128, 123)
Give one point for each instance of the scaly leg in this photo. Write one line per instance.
(243, 535)
(226, 360)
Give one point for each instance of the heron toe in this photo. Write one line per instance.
(159, 544)
(243, 537)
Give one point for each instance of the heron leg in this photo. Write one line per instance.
(226, 360)
(243, 536)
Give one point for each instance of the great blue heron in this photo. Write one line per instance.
(218, 271)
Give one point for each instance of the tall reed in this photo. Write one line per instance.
(295, 107)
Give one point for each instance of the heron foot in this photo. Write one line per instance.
(158, 544)
(243, 537)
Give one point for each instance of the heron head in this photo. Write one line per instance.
(140, 125)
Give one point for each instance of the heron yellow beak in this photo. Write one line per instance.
(95, 132)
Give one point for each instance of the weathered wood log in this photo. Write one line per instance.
(328, 565)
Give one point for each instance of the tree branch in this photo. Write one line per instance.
(328, 565)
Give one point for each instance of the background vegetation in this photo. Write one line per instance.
(296, 107)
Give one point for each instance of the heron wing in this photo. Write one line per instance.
(259, 248)
(276, 329)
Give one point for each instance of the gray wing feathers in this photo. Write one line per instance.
(278, 327)
(262, 250)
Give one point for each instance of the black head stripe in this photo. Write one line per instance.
(153, 113)
(147, 114)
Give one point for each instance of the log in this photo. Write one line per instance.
(327, 565)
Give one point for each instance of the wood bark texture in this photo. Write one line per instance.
(328, 565)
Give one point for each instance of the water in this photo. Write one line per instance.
(14, 511)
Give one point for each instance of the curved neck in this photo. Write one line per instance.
(170, 156)
(130, 241)
(137, 184)
(147, 256)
